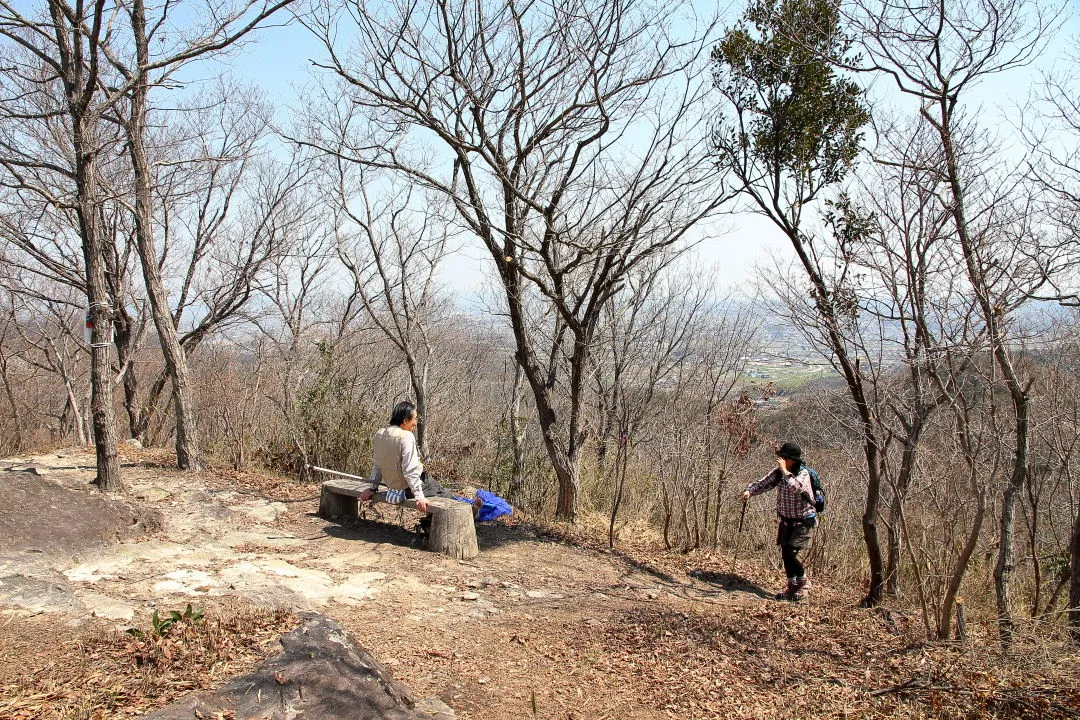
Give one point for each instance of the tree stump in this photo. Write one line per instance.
(452, 530)
(340, 501)
(961, 621)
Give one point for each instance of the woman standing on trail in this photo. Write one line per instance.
(795, 506)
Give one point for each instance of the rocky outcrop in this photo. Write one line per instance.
(39, 514)
(322, 673)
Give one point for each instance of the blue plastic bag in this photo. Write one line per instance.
(493, 506)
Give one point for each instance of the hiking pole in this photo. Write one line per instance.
(316, 468)
(738, 534)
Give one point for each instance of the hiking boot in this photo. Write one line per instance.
(799, 588)
(787, 592)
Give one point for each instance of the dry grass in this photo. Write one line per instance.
(824, 659)
(56, 673)
(825, 662)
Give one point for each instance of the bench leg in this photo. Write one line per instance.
(453, 532)
(331, 504)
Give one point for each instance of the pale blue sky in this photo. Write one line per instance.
(279, 61)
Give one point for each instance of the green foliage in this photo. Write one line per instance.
(851, 227)
(334, 426)
(794, 113)
(161, 626)
(1058, 563)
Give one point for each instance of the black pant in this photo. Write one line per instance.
(792, 566)
(431, 486)
(792, 536)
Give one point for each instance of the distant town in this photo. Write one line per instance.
(786, 360)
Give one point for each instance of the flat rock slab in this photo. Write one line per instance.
(103, 606)
(37, 595)
(262, 511)
(322, 673)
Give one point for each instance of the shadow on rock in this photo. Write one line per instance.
(381, 529)
(372, 531)
(39, 514)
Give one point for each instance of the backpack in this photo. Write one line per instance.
(817, 488)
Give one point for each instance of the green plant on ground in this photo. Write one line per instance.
(161, 626)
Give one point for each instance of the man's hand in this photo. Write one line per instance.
(746, 496)
(366, 495)
(422, 506)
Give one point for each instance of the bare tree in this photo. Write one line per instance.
(153, 60)
(722, 353)
(562, 134)
(647, 330)
(912, 309)
(39, 243)
(1051, 136)
(221, 215)
(392, 248)
(9, 323)
(80, 53)
(48, 332)
(918, 314)
(936, 54)
(53, 75)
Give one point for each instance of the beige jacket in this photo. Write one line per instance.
(397, 462)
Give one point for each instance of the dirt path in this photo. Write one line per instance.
(534, 627)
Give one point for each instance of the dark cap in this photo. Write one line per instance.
(790, 450)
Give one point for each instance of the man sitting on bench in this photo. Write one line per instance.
(397, 464)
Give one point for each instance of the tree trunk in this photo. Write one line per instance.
(77, 423)
(101, 406)
(566, 471)
(125, 350)
(418, 377)
(895, 537)
(79, 65)
(15, 414)
(953, 590)
(149, 410)
(893, 544)
(852, 373)
(619, 484)
(1074, 583)
(869, 524)
(517, 439)
(453, 531)
(187, 442)
(1033, 542)
(991, 315)
(563, 460)
(570, 476)
(1003, 568)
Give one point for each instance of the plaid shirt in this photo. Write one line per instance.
(791, 494)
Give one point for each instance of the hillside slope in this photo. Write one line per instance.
(543, 624)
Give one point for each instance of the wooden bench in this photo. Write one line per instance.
(452, 531)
